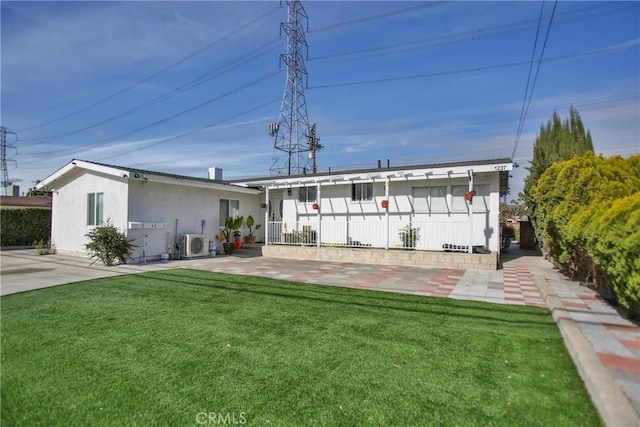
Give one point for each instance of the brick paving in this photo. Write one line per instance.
(615, 340)
(512, 285)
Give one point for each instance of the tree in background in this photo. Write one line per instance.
(557, 141)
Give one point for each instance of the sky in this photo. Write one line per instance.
(179, 87)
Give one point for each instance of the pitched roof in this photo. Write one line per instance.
(382, 169)
(150, 172)
(502, 165)
(140, 174)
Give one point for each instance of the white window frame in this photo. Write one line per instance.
(429, 199)
(307, 194)
(458, 202)
(95, 209)
(228, 207)
(482, 198)
(362, 196)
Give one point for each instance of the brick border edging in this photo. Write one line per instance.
(613, 406)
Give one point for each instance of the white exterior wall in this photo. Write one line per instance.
(152, 202)
(367, 218)
(69, 208)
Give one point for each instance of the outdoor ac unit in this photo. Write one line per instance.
(195, 245)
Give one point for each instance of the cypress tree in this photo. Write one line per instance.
(556, 142)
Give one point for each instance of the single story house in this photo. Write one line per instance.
(452, 207)
(155, 209)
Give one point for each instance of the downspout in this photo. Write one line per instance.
(319, 238)
(266, 217)
(386, 211)
(470, 172)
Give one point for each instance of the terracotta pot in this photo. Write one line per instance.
(249, 239)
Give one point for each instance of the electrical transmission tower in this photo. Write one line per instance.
(295, 145)
(3, 158)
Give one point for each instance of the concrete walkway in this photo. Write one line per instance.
(604, 346)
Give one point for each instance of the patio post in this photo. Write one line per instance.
(386, 211)
(266, 217)
(319, 236)
(470, 172)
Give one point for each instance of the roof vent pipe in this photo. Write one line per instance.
(388, 164)
(379, 164)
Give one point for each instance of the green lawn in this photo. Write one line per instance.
(171, 347)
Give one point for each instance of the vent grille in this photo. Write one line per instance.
(194, 245)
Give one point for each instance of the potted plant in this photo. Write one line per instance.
(230, 227)
(42, 247)
(251, 238)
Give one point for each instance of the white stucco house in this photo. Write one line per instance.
(437, 207)
(154, 208)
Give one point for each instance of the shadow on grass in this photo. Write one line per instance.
(366, 298)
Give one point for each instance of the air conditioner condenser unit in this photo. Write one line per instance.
(194, 245)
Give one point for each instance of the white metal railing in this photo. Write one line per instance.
(301, 233)
(374, 234)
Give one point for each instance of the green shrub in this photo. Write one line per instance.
(567, 187)
(609, 235)
(21, 227)
(108, 244)
(589, 209)
(508, 231)
(409, 236)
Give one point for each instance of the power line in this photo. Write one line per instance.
(162, 71)
(526, 90)
(217, 72)
(379, 16)
(210, 125)
(164, 120)
(429, 43)
(631, 44)
(585, 102)
(496, 116)
(535, 79)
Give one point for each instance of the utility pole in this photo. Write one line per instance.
(314, 146)
(292, 146)
(4, 159)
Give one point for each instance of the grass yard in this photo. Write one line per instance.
(186, 347)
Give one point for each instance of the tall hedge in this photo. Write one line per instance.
(586, 209)
(609, 234)
(19, 227)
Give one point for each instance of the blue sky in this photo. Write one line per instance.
(112, 81)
